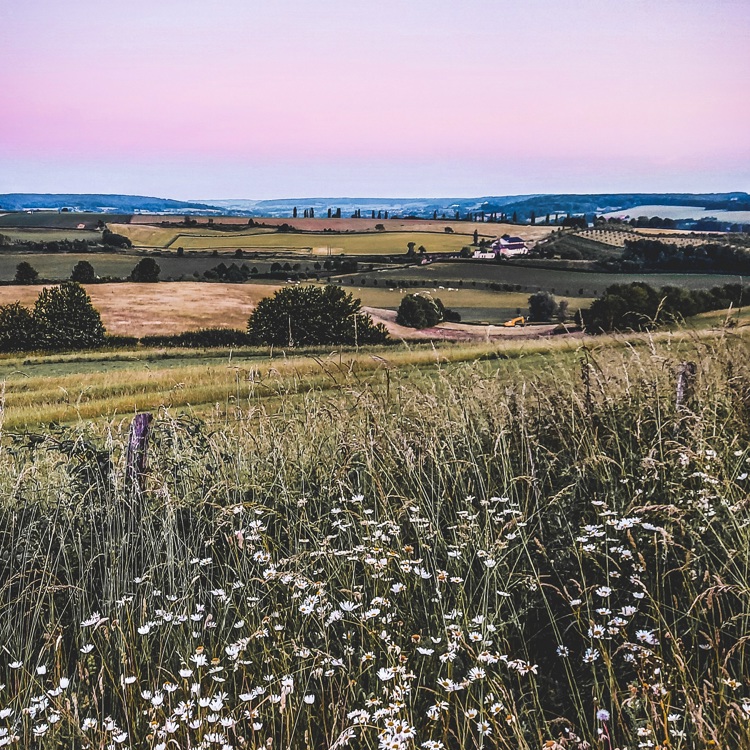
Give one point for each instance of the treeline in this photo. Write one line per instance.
(645, 254)
(639, 306)
(108, 240)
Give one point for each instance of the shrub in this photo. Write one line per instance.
(26, 273)
(309, 315)
(419, 311)
(66, 319)
(147, 270)
(115, 240)
(83, 273)
(542, 306)
(17, 328)
(205, 337)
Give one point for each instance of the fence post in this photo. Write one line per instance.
(135, 470)
(686, 374)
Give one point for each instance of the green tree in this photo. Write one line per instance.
(65, 318)
(420, 311)
(83, 273)
(542, 306)
(147, 270)
(17, 328)
(115, 240)
(311, 315)
(26, 273)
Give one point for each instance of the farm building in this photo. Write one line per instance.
(509, 247)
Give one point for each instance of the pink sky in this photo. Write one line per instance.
(238, 98)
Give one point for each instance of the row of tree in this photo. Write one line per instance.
(639, 306)
(147, 270)
(657, 255)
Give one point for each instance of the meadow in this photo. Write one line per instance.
(530, 278)
(541, 545)
(312, 243)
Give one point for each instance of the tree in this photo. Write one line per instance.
(115, 240)
(26, 273)
(419, 311)
(410, 246)
(309, 315)
(542, 306)
(83, 273)
(476, 237)
(65, 318)
(147, 270)
(17, 328)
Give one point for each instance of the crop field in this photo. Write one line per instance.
(49, 235)
(363, 243)
(150, 309)
(486, 229)
(388, 547)
(557, 281)
(144, 235)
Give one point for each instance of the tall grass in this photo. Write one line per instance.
(463, 560)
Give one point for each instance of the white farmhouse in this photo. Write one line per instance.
(509, 247)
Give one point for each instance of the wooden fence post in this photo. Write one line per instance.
(686, 374)
(135, 470)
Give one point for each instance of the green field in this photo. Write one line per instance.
(562, 282)
(311, 243)
(119, 265)
(49, 235)
(474, 305)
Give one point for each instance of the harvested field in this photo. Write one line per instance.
(150, 309)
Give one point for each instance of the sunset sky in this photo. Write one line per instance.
(284, 98)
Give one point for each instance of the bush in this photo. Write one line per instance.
(26, 273)
(115, 240)
(83, 273)
(66, 319)
(205, 337)
(309, 315)
(542, 306)
(17, 328)
(419, 311)
(147, 270)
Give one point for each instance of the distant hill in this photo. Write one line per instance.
(523, 206)
(84, 202)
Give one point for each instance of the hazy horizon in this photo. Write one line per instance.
(258, 100)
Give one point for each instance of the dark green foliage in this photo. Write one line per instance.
(639, 306)
(658, 255)
(309, 315)
(115, 240)
(26, 273)
(542, 306)
(420, 311)
(66, 319)
(147, 270)
(205, 337)
(83, 273)
(17, 328)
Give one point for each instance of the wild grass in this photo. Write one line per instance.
(463, 560)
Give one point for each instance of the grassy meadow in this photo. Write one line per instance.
(312, 243)
(520, 547)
